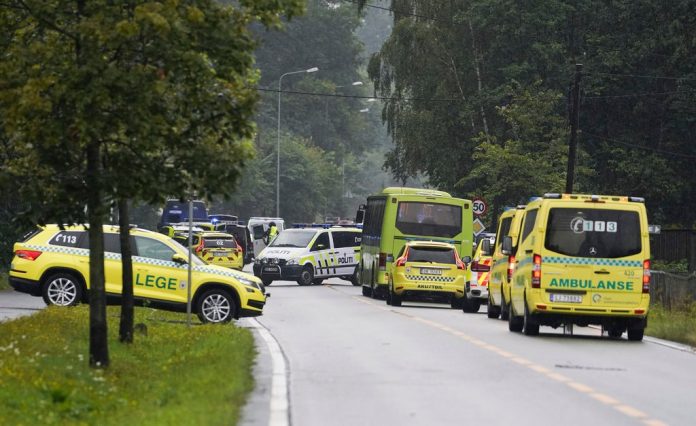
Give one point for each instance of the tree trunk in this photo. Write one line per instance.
(98, 343)
(125, 331)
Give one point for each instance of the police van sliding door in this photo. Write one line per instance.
(344, 256)
(321, 249)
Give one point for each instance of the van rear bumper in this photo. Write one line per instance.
(609, 320)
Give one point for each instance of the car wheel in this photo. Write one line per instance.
(515, 323)
(493, 311)
(395, 298)
(636, 334)
(470, 306)
(504, 308)
(529, 326)
(216, 306)
(366, 291)
(306, 276)
(267, 282)
(457, 303)
(62, 289)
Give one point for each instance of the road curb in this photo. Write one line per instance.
(275, 395)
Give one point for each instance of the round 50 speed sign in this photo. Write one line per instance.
(479, 207)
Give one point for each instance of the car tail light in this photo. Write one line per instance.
(28, 254)
(536, 271)
(458, 261)
(646, 276)
(383, 261)
(511, 267)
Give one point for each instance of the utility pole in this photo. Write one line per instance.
(574, 119)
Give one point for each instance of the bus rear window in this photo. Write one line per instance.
(593, 232)
(431, 254)
(429, 219)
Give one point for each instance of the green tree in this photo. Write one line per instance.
(108, 100)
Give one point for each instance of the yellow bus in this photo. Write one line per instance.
(397, 215)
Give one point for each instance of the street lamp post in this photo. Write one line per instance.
(280, 82)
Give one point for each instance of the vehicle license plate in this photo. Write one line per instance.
(271, 269)
(219, 253)
(430, 271)
(565, 298)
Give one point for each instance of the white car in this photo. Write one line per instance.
(310, 255)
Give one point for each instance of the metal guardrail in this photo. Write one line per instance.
(672, 290)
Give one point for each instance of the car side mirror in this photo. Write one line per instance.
(177, 258)
(486, 247)
(466, 259)
(507, 245)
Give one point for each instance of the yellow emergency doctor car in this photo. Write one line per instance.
(54, 263)
(427, 270)
(214, 248)
(582, 259)
(502, 264)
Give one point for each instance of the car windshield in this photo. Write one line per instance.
(431, 254)
(185, 252)
(292, 238)
(593, 232)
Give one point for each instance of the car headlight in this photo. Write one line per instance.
(249, 283)
(293, 262)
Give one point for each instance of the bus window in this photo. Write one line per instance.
(429, 219)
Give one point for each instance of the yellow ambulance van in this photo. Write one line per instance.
(580, 260)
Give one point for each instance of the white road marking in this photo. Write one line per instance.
(280, 398)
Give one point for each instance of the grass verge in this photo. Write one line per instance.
(677, 325)
(4, 283)
(171, 375)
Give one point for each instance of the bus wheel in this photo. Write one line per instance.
(306, 276)
(366, 291)
(354, 278)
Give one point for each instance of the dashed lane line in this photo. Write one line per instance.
(607, 400)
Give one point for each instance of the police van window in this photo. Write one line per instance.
(294, 238)
(529, 220)
(343, 239)
(593, 232)
(431, 219)
(504, 230)
(68, 239)
(322, 239)
(258, 231)
(153, 249)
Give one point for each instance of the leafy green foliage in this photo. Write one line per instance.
(477, 58)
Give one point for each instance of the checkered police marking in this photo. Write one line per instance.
(430, 278)
(590, 261)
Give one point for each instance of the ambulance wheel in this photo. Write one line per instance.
(529, 326)
(62, 289)
(615, 332)
(493, 311)
(635, 334)
(267, 282)
(515, 323)
(504, 308)
(366, 291)
(216, 306)
(317, 281)
(306, 276)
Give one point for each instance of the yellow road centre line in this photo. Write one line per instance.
(578, 387)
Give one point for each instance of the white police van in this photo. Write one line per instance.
(311, 255)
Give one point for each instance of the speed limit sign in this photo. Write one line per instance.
(479, 207)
